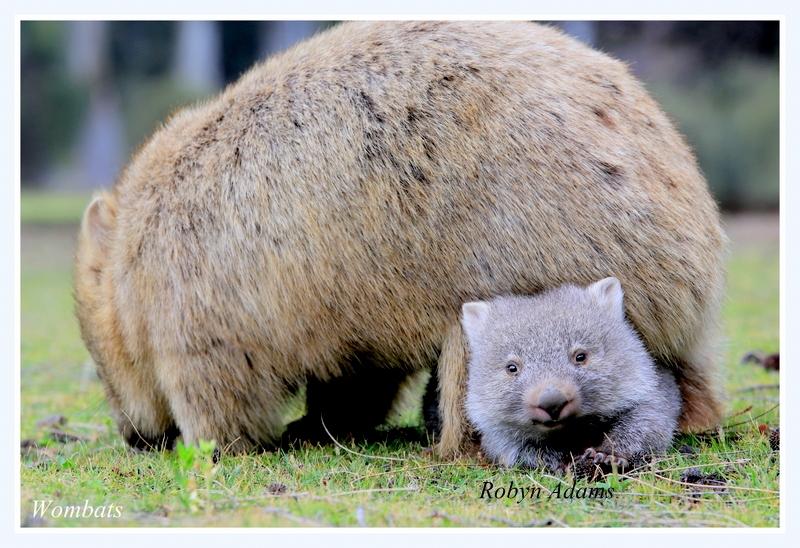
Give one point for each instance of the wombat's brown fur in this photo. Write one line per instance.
(345, 197)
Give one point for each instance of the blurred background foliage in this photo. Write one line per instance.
(93, 91)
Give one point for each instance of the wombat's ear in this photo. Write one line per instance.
(98, 222)
(608, 292)
(473, 319)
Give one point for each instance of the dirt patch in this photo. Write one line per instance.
(45, 247)
(751, 229)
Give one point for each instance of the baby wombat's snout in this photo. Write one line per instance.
(549, 403)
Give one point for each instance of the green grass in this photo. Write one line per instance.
(394, 484)
(53, 208)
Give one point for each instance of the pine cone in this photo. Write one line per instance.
(775, 440)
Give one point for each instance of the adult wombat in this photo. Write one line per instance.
(326, 216)
(555, 375)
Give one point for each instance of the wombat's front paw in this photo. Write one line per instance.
(606, 461)
(304, 430)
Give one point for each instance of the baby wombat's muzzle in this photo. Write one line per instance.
(551, 401)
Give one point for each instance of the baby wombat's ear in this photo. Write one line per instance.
(473, 320)
(608, 293)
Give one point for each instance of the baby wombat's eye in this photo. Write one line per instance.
(579, 357)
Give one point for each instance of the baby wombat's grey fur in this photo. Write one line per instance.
(561, 373)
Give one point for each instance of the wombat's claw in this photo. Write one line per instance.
(590, 454)
(618, 462)
(600, 458)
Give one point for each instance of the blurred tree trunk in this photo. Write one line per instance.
(279, 35)
(101, 142)
(198, 51)
(585, 31)
(86, 50)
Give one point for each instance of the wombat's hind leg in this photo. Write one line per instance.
(698, 377)
(148, 442)
(223, 395)
(141, 409)
(452, 378)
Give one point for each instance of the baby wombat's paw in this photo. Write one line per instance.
(593, 461)
(607, 459)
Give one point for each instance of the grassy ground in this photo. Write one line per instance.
(728, 479)
(52, 208)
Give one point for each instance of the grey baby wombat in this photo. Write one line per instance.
(563, 373)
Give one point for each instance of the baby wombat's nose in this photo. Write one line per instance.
(552, 401)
